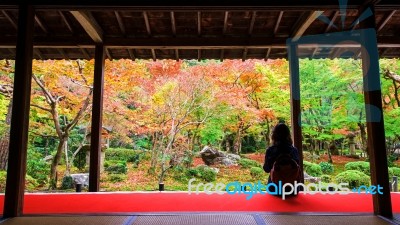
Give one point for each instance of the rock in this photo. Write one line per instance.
(81, 178)
(208, 155)
(48, 158)
(224, 161)
(311, 179)
(233, 157)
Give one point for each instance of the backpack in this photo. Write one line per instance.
(285, 169)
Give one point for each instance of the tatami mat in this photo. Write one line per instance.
(200, 219)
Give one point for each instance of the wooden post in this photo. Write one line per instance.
(375, 125)
(15, 185)
(294, 70)
(97, 114)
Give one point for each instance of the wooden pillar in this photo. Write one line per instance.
(294, 70)
(374, 114)
(97, 114)
(14, 195)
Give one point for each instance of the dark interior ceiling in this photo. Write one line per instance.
(202, 30)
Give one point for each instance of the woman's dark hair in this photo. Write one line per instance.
(281, 135)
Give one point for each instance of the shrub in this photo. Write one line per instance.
(354, 178)
(30, 183)
(327, 168)
(359, 166)
(248, 163)
(115, 167)
(257, 172)
(307, 156)
(326, 178)
(3, 178)
(67, 183)
(80, 160)
(204, 172)
(122, 154)
(396, 171)
(113, 178)
(312, 169)
(37, 168)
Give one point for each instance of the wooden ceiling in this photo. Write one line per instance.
(202, 30)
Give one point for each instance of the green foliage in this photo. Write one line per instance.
(257, 172)
(123, 154)
(67, 182)
(396, 171)
(327, 168)
(391, 159)
(30, 183)
(354, 178)
(3, 178)
(326, 178)
(248, 163)
(312, 169)
(359, 166)
(80, 160)
(114, 178)
(115, 167)
(204, 172)
(36, 167)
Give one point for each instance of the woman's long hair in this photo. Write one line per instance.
(281, 135)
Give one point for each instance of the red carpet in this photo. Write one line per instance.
(183, 202)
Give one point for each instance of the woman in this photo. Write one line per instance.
(282, 144)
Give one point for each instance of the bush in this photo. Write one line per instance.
(257, 172)
(327, 168)
(3, 178)
(37, 168)
(308, 157)
(312, 169)
(30, 183)
(248, 163)
(354, 178)
(204, 172)
(391, 159)
(123, 154)
(80, 160)
(359, 166)
(326, 178)
(67, 183)
(396, 171)
(115, 167)
(114, 178)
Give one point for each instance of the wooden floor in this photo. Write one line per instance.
(202, 219)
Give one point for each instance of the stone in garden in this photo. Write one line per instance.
(224, 161)
(208, 155)
(81, 178)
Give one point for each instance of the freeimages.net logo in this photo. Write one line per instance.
(280, 189)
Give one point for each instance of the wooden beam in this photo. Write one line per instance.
(222, 56)
(304, 23)
(225, 22)
(374, 115)
(333, 19)
(267, 53)
(85, 53)
(177, 54)
(199, 23)
(120, 23)
(153, 54)
(10, 19)
(108, 54)
(146, 21)
(384, 22)
(173, 24)
(15, 185)
(131, 54)
(62, 52)
(278, 21)
(41, 24)
(38, 53)
(244, 56)
(198, 55)
(314, 52)
(295, 106)
(252, 21)
(67, 23)
(89, 24)
(97, 118)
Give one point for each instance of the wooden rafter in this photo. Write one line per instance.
(199, 23)
(120, 22)
(67, 23)
(278, 21)
(267, 53)
(10, 19)
(147, 23)
(226, 15)
(131, 54)
(173, 25)
(244, 56)
(38, 53)
(252, 20)
(333, 19)
(177, 54)
(62, 53)
(305, 22)
(85, 53)
(314, 52)
(108, 53)
(198, 55)
(41, 24)
(89, 24)
(384, 22)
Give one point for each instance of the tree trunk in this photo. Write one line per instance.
(237, 144)
(56, 161)
(363, 138)
(5, 139)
